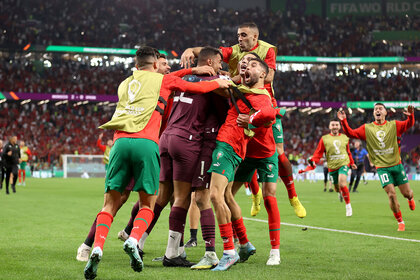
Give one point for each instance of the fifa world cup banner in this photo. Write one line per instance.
(338, 8)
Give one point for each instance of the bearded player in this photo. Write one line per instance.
(383, 145)
(337, 152)
(230, 150)
(261, 156)
(248, 41)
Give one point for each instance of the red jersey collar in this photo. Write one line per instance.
(256, 46)
(379, 124)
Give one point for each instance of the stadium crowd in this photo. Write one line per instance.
(51, 130)
(158, 23)
(69, 76)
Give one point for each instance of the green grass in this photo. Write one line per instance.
(42, 225)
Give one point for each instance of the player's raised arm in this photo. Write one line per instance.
(358, 133)
(403, 126)
(188, 56)
(318, 154)
(99, 144)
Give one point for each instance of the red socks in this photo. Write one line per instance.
(141, 223)
(227, 236)
(286, 175)
(345, 193)
(240, 230)
(253, 185)
(398, 217)
(270, 203)
(103, 224)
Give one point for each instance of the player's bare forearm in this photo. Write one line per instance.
(188, 56)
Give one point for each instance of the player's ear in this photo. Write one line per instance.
(155, 65)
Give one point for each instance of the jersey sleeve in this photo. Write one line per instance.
(403, 126)
(226, 52)
(28, 152)
(350, 155)
(319, 152)
(358, 133)
(181, 73)
(263, 116)
(100, 146)
(270, 59)
(172, 83)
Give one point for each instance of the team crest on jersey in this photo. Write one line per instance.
(219, 155)
(380, 135)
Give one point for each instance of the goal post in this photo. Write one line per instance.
(83, 166)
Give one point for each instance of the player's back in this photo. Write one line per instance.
(190, 111)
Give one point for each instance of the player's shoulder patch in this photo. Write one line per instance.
(192, 78)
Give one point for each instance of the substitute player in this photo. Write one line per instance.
(338, 155)
(137, 122)
(25, 153)
(383, 145)
(248, 41)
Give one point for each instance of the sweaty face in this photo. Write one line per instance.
(163, 66)
(253, 73)
(247, 38)
(216, 63)
(379, 113)
(334, 127)
(243, 63)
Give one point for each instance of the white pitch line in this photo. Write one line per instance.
(338, 230)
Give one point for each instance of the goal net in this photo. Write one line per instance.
(83, 166)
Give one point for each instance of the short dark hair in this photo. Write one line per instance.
(381, 104)
(254, 54)
(143, 55)
(262, 63)
(249, 25)
(207, 52)
(334, 120)
(162, 55)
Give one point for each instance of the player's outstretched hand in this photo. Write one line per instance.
(308, 168)
(101, 135)
(203, 70)
(187, 58)
(410, 110)
(353, 166)
(242, 120)
(341, 115)
(223, 83)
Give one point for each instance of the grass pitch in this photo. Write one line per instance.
(42, 225)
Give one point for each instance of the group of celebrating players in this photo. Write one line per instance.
(209, 134)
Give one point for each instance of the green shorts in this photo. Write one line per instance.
(267, 169)
(392, 175)
(224, 160)
(22, 165)
(136, 158)
(278, 130)
(342, 170)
